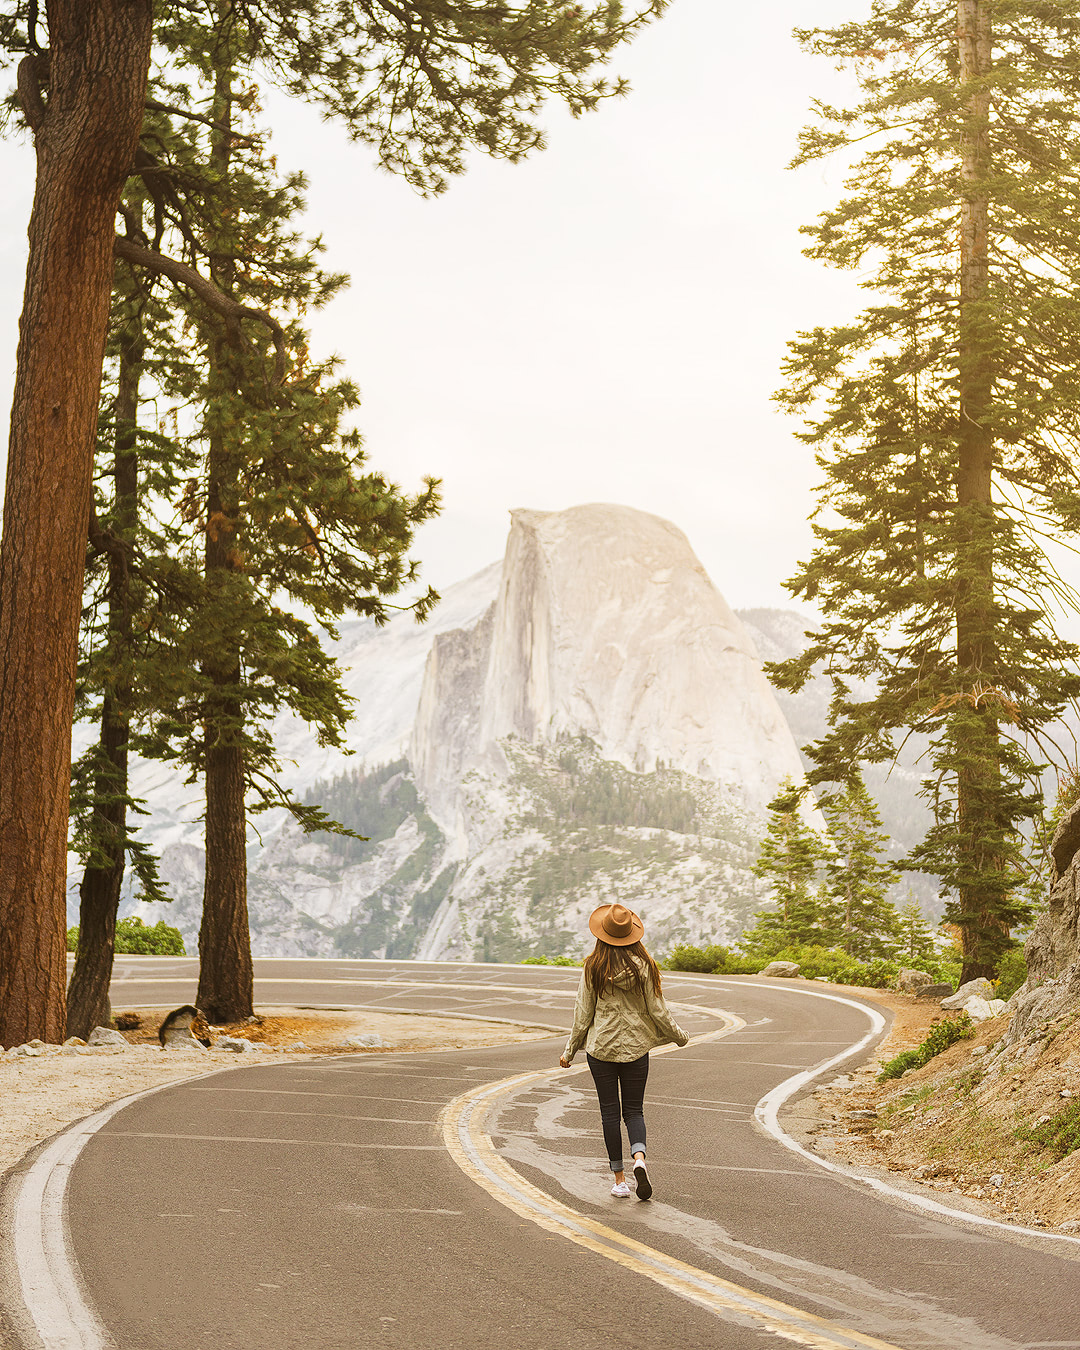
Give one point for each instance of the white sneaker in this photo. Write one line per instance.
(621, 1190)
(641, 1176)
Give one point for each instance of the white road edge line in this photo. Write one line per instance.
(472, 1149)
(47, 1273)
(767, 1110)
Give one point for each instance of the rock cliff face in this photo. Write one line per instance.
(606, 626)
(1052, 952)
(589, 721)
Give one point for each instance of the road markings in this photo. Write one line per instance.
(48, 1276)
(471, 1148)
(768, 1108)
(265, 1139)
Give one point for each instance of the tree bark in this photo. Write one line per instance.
(99, 892)
(85, 139)
(226, 987)
(979, 770)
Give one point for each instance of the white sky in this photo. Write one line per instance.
(604, 322)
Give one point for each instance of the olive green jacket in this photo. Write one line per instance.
(620, 1025)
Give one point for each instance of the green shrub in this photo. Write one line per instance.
(816, 963)
(135, 938)
(1011, 972)
(713, 960)
(1060, 1135)
(548, 961)
(942, 1035)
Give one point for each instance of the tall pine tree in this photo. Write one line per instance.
(946, 419)
(791, 858)
(858, 878)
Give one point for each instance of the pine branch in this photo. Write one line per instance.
(212, 296)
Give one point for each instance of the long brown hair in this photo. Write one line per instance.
(605, 962)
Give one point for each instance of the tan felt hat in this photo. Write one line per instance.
(616, 925)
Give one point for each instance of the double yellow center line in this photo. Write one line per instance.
(470, 1146)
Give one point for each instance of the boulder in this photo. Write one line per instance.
(782, 969)
(240, 1045)
(977, 1008)
(368, 1040)
(182, 1041)
(182, 1024)
(31, 1049)
(911, 981)
(981, 987)
(935, 991)
(105, 1036)
(997, 1006)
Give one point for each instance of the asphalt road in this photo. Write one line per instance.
(317, 1205)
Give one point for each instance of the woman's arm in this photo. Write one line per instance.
(584, 1011)
(661, 1015)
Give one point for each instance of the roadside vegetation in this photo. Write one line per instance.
(942, 1035)
(135, 938)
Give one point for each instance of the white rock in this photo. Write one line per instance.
(981, 987)
(240, 1044)
(997, 1006)
(977, 1050)
(782, 969)
(296, 1045)
(29, 1049)
(184, 1045)
(366, 1040)
(1070, 1226)
(997, 1180)
(977, 1008)
(106, 1036)
(74, 1040)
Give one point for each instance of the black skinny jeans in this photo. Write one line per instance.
(609, 1077)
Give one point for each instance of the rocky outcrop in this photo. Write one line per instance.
(1052, 952)
(607, 627)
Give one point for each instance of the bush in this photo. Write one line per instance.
(135, 938)
(1011, 972)
(1060, 1135)
(942, 1035)
(821, 963)
(549, 961)
(713, 960)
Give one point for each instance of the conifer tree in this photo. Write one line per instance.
(946, 420)
(790, 860)
(858, 878)
(914, 935)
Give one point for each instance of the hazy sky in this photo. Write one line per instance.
(604, 322)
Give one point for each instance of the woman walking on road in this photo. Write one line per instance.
(619, 1017)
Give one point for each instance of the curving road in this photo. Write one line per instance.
(460, 1199)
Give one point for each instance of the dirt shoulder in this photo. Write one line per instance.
(962, 1124)
(41, 1094)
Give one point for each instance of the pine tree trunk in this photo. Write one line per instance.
(99, 892)
(85, 139)
(978, 772)
(226, 986)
